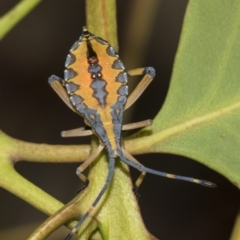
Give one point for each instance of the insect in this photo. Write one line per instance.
(95, 87)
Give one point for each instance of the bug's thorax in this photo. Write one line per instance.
(97, 84)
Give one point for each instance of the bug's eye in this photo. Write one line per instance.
(99, 75)
(93, 75)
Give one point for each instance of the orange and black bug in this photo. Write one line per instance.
(95, 87)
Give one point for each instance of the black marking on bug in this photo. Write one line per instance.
(111, 51)
(102, 41)
(123, 90)
(150, 71)
(117, 64)
(100, 92)
(69, 73)
(122, 77)
(76, 100)
(98, 85)
(91, 54)
(70, 59)
(71, 87)
(117, 116)
(74, 46)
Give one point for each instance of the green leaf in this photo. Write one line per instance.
(15, 15)
(200, 118)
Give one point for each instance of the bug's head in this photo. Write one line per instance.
(85, 32)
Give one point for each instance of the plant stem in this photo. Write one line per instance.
(101, 19)
(17, 150)
(236, 230)
(15, 15)
(24, 189)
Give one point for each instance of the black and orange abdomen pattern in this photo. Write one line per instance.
(97, 84)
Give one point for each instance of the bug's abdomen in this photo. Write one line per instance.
(102, 91)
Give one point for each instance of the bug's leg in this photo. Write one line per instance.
(84, 165)
(77, 132)
(149, 74)
(139, 180)
(143, 173)
(57, 84)
(87, 162)
(130, 126)
(131, 161)
(85, 184)
(103, 190)
(137, 184)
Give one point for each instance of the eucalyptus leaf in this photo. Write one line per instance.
(200, 118)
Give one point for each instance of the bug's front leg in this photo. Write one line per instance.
(57, 84)
(149, 74)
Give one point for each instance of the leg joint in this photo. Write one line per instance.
(79, 170)
(54, 78)
(150, 71)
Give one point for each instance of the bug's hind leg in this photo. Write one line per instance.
(140, 179)
(130, 126)
(149, 74)
(131, 161)
(137, 185)
(86, 163)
